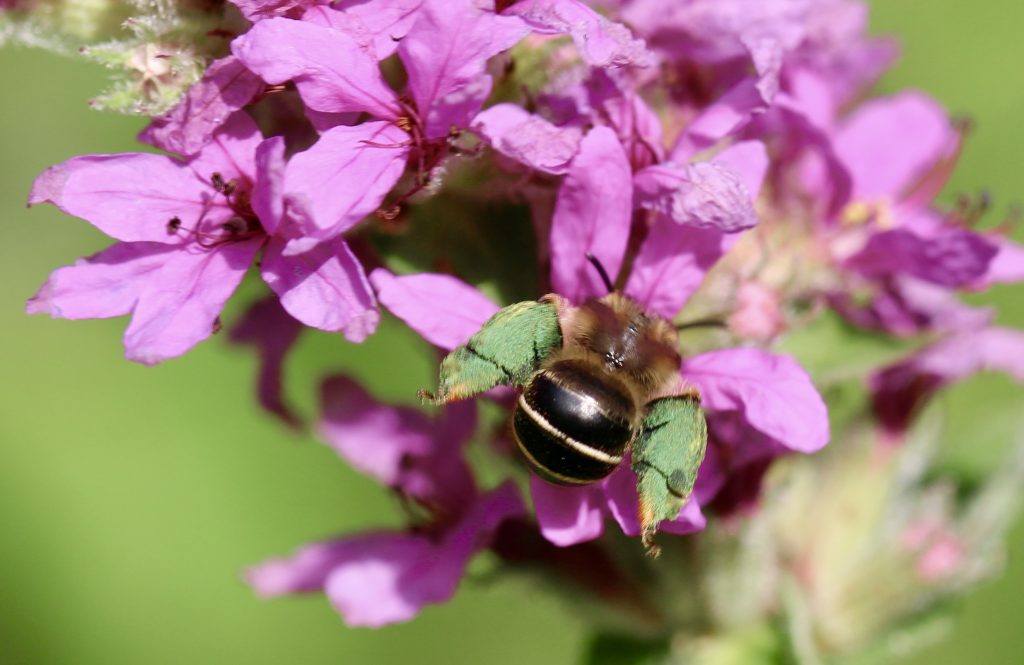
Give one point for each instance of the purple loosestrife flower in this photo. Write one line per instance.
(768, 394)
(188, 232)
(385, 577)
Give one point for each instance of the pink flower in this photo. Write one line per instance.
(188, 230)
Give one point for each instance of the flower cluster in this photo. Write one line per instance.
(711, 155)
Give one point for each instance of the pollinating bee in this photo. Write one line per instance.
(598, 381)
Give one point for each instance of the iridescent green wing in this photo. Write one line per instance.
(506, 351)
(666, 456)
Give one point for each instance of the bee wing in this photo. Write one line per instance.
(505, 351)
(666, 455)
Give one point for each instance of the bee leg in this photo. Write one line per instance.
(666, 455)
(505, 351)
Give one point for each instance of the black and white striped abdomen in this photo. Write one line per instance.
(573, 423)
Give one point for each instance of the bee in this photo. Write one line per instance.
(598, 381)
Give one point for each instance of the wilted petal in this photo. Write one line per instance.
(592, 215)
(704, 194)
(226, 87)
(446, 50)
(443, 309)
(344, 177)
(528, 138)
(104, 285)
(272, 332)
(953, 258)
(601, 43)
(567, 515)
(671, 265)
(257, 10)
(130, 197)
(899, 391)
(374, 438)
(887, 144)
(331, 71)
(179, 306)
(388, 578)
(774, 394)
(377, 25)
(323, 288)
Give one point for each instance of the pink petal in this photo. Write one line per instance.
(130, 197)
(307, 570)
(104, 285)
(567, 515)
(703, 194)
(671, 265)
(953, 258)
(527, 138)
(180, 303)
(592, 215)
(272, 332)
(374, 438)
(226, 87)
(723, 118)
(323, 288)
(392, 577)
(344, 177)
(443, 309)
(446, 50)
(377, 26)
(1007, 266)
(621, 496)
(230, 152)
(749, 161)
(601, 42)
(910, 130)
(331, 71)
(772, 392)
(268, 190)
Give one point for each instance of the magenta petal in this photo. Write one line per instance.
(773, 392)
(592, 215)
(703, 194)
(230, 152)
(130, 197)
(331, 71)
(104, 285)
(323, 288)
(726, 116)
(268, 190)
(374, 438)
(748, 160)
(601, 43)
(180, 303)
(528, 138)
(226, 87)
(899, 391)
(272, 332)
(621, 497)
(443, 309)
(388, 578)
(952, 258)
(344, 177)
(377, 26)
(567, 515)
(671, 265)
(305, 571)
(445, 51)
(887, 144)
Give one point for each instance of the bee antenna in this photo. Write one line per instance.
(701, 323)
(594, 261)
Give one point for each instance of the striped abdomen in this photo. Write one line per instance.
(573, 423)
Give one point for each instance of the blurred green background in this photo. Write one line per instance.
(131, 497)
